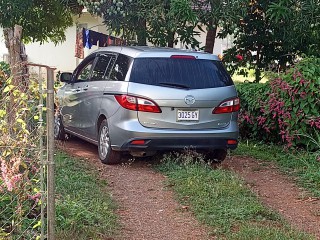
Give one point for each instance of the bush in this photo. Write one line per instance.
(286, 109)
(4, 73)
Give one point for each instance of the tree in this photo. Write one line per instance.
(162, 23)
(298, 25)
(30, 20)
(273, 33)
(39, 21)
(215, 13)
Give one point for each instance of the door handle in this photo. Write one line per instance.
(76, 90)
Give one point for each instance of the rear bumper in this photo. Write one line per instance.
(178, 143)
(123, 133)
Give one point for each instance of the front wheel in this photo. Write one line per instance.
(59, 133)
(106, 154)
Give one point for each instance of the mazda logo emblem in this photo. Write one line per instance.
(189, 100)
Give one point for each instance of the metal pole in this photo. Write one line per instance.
(42, 162)
(50, 156)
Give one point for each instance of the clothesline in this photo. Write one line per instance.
(87, 38)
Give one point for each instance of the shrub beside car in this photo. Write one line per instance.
(284, 110)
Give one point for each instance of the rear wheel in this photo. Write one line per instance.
(217, 155)
(106, 154)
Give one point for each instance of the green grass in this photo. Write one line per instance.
(303, 166)
(221, 200)
(84, 207)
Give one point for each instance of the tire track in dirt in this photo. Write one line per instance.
(278, 192)
(147, 209)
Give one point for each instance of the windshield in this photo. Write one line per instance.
(180, 73)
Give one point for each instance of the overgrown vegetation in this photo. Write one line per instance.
(285, 109)
(272, 34)
(222, 201)
(302, 165)
(20, 154)
(84, 207)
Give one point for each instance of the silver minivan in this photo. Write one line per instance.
(141, 100)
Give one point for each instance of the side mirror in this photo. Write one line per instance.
(65, 77)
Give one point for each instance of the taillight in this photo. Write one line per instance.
(137, 103)
(228, 106)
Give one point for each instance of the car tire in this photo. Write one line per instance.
(217, 155)
(59, 133)
(106, 154)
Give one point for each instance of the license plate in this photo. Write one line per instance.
(187, 115)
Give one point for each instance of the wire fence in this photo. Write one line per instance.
(24, 153)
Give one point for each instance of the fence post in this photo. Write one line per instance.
(50, 156)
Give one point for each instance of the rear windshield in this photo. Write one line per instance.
(181, 73)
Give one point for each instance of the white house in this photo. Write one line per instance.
(62, 56)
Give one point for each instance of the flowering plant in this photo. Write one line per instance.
(286, 108)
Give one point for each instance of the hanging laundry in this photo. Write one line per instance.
(111, 40)
(103, 40)
(79, 53)
(94, 37)
(91, 38)
(84, 37)
(118, 42)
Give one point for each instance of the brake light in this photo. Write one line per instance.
(232, 142)
(137, 104)
(228, 106)
(183, 56)
(138, 142)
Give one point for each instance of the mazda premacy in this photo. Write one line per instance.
(141, 100)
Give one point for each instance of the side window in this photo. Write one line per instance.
(84, 73)
(100, 68)
(110, 66)
(120, 68)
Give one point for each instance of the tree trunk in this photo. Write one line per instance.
(142, 32)
(12, 38)
(258, 62)
(211, 37)
(170, 39)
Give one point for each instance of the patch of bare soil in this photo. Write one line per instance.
(147, 209)
(279, 193)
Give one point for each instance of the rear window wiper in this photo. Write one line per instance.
(176, 85)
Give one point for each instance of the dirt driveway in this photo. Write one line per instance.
(149, 211)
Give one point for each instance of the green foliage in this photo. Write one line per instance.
(20, 197)
(155, 20)
(302, 34)
(220, 199)
(286, 109)
(303, 166)
(84, 208)
(4, 74)
(40, 20)
(272, 34)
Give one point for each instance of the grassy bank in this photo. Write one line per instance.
(84, 207)
(303, 166)
(220, 199)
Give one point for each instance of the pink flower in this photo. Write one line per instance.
(239, 57)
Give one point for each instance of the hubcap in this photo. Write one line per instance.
(104, 142)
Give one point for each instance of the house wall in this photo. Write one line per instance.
(61, 56)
